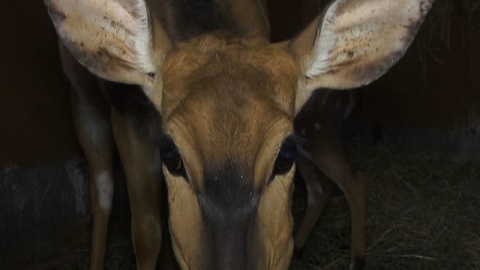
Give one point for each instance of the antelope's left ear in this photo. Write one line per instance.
(354, 42)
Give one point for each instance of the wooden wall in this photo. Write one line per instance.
(35, 118)
(436, 84)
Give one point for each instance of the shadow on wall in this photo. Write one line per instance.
(35, 115)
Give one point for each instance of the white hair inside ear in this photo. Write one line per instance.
(356, 41)
(112, 38)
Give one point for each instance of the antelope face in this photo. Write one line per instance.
(228, 154)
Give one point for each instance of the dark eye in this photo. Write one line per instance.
(170, 155)
(286, 156)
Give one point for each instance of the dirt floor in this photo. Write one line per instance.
(423, 213)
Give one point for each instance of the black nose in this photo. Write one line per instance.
(228, 202)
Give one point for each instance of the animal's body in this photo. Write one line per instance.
(215, 115)
(321, 158)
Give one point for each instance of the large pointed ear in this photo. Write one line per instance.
(115, 39)
(354, 42)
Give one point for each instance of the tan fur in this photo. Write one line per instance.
(221, 85)
(135, 148)
(195, 88)
(226, 98)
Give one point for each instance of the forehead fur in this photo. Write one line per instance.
(208, 56)
(226, 98)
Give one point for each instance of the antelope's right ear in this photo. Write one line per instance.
(354, 42)
(114, 39)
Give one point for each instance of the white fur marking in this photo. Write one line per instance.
(312, 191)
(104, 185)
(317, 126)
(317, 188)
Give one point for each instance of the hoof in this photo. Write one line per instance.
(297, 254)
(358, 263)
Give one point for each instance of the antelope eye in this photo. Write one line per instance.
(170, 155)
(286, 156)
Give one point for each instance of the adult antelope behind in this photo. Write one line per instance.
(227, 100)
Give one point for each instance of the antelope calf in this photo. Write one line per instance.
(227, 100)
(321, 158)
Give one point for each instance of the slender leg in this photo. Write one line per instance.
(95, 136)
(319, 124)
(328, 157)
(141, 163)
(318, 192)
(91, 114)
(93, 121)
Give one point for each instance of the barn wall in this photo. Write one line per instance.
(436, 84)
(44, 199)
(35, 116)
(430, 101)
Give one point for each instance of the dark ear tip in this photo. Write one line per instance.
(55, 15)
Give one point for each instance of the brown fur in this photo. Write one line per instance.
(321, 158)
(231, 92)
(221, 86)
(228, 100)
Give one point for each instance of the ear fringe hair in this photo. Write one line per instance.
(142, 39)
